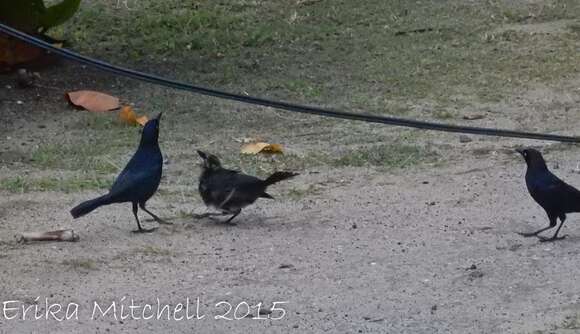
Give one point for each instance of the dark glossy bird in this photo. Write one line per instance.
(137, 182)
(554, 195)
(229, 191)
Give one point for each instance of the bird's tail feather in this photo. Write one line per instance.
(90, 205)
(279, 176)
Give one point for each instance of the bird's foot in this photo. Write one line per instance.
(145, 230)
(544, 239)
(527, 235)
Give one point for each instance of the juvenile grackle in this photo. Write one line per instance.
(138, 181)
(230, 191)
(554, 195)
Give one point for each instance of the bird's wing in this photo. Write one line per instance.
(230, 190)
(554, 194)
(140, 176)
(570, 198)
(135, 182)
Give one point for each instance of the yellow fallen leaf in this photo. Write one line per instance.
(93, 101)
(127, 115)
(261, 147)
(142, 120)
(272, 149)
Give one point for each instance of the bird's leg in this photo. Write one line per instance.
(155, 217)
(232, 217)
(555, 237)
(535, 234)
(140, 230)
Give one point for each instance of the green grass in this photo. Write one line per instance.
(99, 145)
(84, 157)
(394, 155)
(338, 52)
(67, 185)
(153, 29)
(344, 54)
(385, 155)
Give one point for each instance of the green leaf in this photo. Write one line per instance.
(59, 14)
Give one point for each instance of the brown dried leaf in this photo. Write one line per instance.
(93, 101)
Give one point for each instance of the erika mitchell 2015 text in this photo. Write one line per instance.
(127, 308)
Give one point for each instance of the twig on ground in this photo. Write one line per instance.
(60, 235)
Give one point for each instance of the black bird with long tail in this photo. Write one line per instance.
(137, 182)
(555, 196)
(230, 191)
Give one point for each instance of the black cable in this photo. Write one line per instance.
(279, 104)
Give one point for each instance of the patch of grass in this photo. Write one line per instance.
(80, 264)
(155, 29)
(84, 157)
(303, 88)
(395, 155)
(385, 155)
(342, 53)
(264, 165)
(67, 185)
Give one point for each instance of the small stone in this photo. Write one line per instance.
(473, 117)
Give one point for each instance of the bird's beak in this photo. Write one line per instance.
(202, 155)
(520, 151)
(159, 116)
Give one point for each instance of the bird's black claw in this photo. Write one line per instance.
(552, 239)
(145, 230)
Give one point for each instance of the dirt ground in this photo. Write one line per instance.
(386, 230)
(425, 249)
